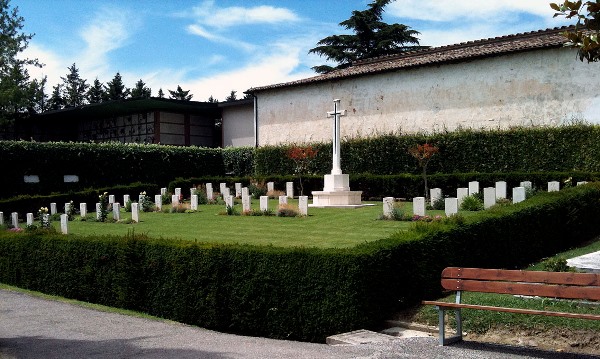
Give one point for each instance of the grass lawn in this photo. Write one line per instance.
(324, 227)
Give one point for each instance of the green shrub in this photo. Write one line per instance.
(556, 265)
(471, 203)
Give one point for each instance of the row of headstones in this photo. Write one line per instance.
(14, 219)
(264, 202)
(225, 191)
(452, 204)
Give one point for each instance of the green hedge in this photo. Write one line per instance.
(294, 293)
(31, 204)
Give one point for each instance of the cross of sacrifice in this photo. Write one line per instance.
(336, 113)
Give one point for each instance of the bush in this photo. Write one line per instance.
(472, 203)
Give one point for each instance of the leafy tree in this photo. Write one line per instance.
(423, 153)
(371, 38)
(161, 94)
(74, 88)
(585, 37)
(16, 88)
(116, 90)
(180, 94)
(56, 102)
(140, 90)
(232, 96)
(96, 93)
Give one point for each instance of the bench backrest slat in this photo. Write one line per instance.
(563, 278)
(516, 288)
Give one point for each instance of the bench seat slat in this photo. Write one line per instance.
(532, 289)
(514, 310)
(566, 278)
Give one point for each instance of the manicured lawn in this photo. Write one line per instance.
(322, 228)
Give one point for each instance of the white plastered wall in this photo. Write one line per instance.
(238, 125)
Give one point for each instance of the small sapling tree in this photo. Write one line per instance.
(303, 157)
(423, 153)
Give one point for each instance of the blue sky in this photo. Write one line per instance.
(213, 47)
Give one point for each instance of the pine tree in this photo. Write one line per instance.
(96, 92)
(74, 88)
(232, 96)
(116, 90)
(180, 94)
(161, 94)
(56, 102)
(211, 99)
(140, 90)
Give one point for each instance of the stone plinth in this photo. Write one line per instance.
(340, 199)
(336, 183)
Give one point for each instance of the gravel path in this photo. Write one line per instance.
(32, 327)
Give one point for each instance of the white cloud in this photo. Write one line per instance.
(200, 31)
(210, 15)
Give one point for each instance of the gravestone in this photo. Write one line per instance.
(135, 212)
(111, 198)
(29, 219)
(581, 183)
(500, 190)
(489, 197)
(289, 189)
(178, 192)
(451, 206)
(246, 203)
(1, 218)
(158, 202)
(222, 187)
(226, 192)
(245, 192)
(116, 211)
(67, 208)
(14, 219)
(53, 208)
(229, 201)
(64, 224)
(264, 203)
(194, 202)
(175, 200)
(141, 198)
(83, 210)
(526, 184)
(283, 200)
(270, 186)
(473, 187)
(209, 191)
(553, 186)
(461, 194)
(303, 205)
(193, 191)
(163, 191)
(434, 195)
(238, 189)
(518, 194)
(388, 206)
(98, 211)
(419, 206)
(126, 199)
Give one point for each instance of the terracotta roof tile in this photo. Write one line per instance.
(496, 46)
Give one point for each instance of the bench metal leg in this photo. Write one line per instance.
(442, 329)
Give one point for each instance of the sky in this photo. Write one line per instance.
(213, 47)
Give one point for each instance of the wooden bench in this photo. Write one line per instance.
(564, 285)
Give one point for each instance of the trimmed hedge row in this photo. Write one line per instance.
(27, 203)
(294, 293)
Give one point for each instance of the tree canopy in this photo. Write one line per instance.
(180, 94)
(372, 38)
(585, 37)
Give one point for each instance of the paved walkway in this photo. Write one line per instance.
(586, 263)
(31, 327)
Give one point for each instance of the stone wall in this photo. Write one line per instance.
(535, 88)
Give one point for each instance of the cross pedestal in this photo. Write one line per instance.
(336, 191)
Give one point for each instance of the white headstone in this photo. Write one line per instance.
(388, 206)
(500, 190)
(461, 194)
(451, 206)
(303, 205)
(141, 198)
(518, 194)
(434, 195)
(30, 219)
(473, 187)
(194, 202)
(67, 207)
(289, 189)
(46, 218)
(553, 186)
(245, 192)
(178, 192)
(270, 186)
(175, 200)
(111, 198)
(209, 191)
(246, 203)
(238, 189)
(135, 212)
(419, 206)
(116, 211)
(158, 202)
(489, 197)
(193, 191)
(64, 224)
(264, 203)
(125, 199)
(581, 183)
(53, 208)
(98, 211)
(15, 219)
(229, 201)
(163, 191)
(526, 184)
(226, 192)
(283, 200)
(222, 187)
(83, 209)
(1, 218)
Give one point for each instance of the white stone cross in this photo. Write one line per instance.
(336, 113)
